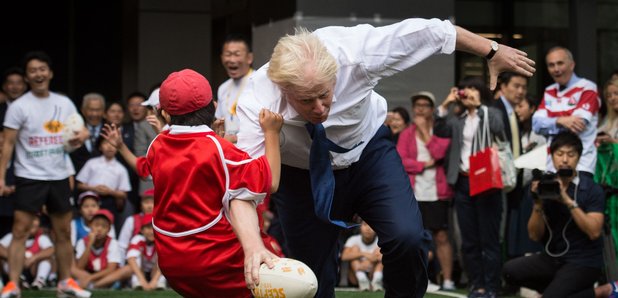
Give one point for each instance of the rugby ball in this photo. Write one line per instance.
(73, 125)
(289, 278)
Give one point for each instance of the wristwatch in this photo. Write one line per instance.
(573, 206)
(494, 49)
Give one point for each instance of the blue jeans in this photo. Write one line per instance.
(479, 223)
(378, 189)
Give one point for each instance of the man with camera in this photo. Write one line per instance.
(567, 219)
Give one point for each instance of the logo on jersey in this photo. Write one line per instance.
(54, 125)
(572, 101)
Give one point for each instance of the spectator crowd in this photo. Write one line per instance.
(543, 236)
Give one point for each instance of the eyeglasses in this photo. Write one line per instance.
(422, 105)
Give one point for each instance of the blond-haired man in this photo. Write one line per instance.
(322, 83)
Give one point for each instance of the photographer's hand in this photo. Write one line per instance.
(564, 196)
(536, 225)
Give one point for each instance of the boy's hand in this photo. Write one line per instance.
(218, 126)
(270, 121)
(253, 261)
(102, 190)
(111, 134)
(92, 236)
(28, 262)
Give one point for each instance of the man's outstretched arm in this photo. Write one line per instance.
(505, 59)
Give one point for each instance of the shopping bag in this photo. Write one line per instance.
(507, 166)
(485, 174)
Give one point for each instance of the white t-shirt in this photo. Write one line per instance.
(39, 152)
(126, 234)
(99, 171)
(44, 241)
(228, 95)
(113, 253)
(425, 189)
(357, 240)
(112, 230)
(143, 262)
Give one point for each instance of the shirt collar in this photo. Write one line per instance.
(574, 78)
(507, 105)
(183, 129)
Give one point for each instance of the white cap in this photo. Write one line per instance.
(153, 99)
(424, 94)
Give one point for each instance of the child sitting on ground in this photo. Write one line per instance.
(39, 252)
(88, 203)
(142, 258)
(132, 224)
(365, 259)
(97, 254)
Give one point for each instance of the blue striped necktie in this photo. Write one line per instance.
(321, 172)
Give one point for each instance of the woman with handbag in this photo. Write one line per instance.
(478, 216)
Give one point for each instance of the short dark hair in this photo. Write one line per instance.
(479, 84)
(403, 113)
(238, 37)
(122, 106)
(136, 94)
(505, 77)
(12, 71)
(566, 138)
(203, 116)
(36, 55)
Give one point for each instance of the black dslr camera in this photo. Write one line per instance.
(549, 188)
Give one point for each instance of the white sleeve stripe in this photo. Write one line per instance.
(148, 150)
(225, 200)
(238, 163)
(189, 232)
(246, 194)
(227, 174)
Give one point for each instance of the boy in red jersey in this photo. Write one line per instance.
(206, 191)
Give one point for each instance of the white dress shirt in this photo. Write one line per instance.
(365, 54)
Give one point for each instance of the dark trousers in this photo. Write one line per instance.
(479, 223)
(551, 277)
(378, 189)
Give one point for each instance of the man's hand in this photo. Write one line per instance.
(79, 138)
(154, 121)
(270, 121)
(253, 261)
(573, 123)
(509, 59)
(564, 197)
(534, 186)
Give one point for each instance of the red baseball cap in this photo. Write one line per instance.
(184, 92)
(147, 219)
(148, 193)
(105, 213)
